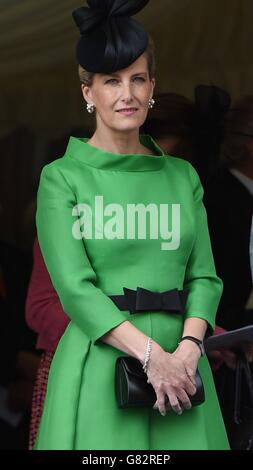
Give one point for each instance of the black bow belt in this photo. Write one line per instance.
(142, 300)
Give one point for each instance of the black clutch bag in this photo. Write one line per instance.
(132, 389)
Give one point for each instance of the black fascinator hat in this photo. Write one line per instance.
(110, 39)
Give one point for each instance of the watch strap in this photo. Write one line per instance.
(195, 340)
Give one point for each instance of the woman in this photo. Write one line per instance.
(92, 259)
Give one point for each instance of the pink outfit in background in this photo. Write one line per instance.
(44, 312)
(45, 316)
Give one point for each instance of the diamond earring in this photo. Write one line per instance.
(151, 103)
(90, 108)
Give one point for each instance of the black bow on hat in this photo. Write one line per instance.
(110, 39)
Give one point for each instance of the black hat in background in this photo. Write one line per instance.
(110, 39)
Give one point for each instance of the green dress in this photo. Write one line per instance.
(86, 266)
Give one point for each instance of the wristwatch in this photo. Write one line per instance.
(196, 341)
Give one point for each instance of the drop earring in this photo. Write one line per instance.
(151, 103)
(90, 108)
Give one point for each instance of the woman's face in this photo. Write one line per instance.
(121, 99)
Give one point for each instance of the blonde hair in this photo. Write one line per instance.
(86, 77)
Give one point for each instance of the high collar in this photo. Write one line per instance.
(80, 150)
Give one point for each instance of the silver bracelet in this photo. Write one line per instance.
(147, 355)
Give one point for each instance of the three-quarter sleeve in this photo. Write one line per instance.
(67, 261)
(205, 287)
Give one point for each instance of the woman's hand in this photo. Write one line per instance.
(189, 353)
(168, 375)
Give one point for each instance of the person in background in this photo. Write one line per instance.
(191, 129)
(171, 123)
(229, 204)
(45, 316)
(18, 356)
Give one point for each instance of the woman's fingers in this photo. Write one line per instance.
(161, 403)
(184, 400)
(189, 386)
(174, 386)
(191, 374)
(178, 399)
(174, 403)
(173, 398)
